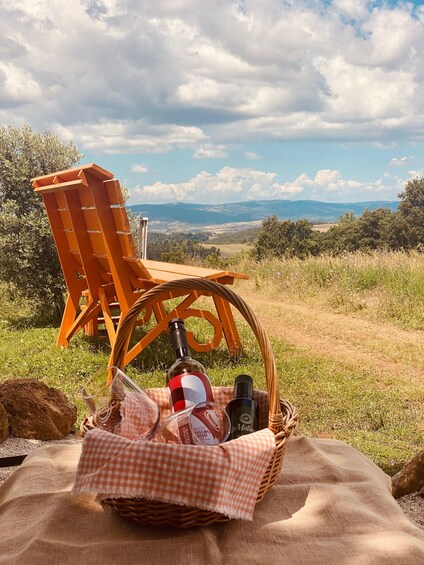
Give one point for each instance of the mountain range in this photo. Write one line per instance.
(194, 216)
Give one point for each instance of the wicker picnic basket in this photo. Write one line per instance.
(282, 417)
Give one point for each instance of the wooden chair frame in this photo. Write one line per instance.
(91, 230)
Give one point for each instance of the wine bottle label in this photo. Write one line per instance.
(189, 389)
(204, 427)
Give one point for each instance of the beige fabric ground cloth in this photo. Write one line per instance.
(330, 506)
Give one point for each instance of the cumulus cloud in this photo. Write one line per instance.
(227, 185)
(252, 156)
(118, 75)
(400, 161)
(132, 136)
(211, 152)
(139, 169)
(414, 173)
(234, 185)
(357, 9)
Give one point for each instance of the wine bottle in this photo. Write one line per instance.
(243, 411)
(186, 379)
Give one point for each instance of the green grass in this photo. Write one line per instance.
(380, 416)
(382, 286)
(332, 402)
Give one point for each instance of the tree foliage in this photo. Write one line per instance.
(28, 258)
(411, 209)
(374, 229)
(285, 239)
(183, 248)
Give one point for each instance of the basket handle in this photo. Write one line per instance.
(161, 292)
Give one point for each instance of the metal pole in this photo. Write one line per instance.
(142, 237)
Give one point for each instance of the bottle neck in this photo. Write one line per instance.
(179, 340)
(243, 387)
(182, 352)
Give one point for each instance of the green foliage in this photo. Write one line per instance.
(25, 154)
(29, 261)
(333, 400)
(179, 248)
(411, 209)
(413, 196)
(28, 258)
(379, 229)
(285, 239)
(383, 286)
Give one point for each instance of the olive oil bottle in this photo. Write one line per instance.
(243, 411)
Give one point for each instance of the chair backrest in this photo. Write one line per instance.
(91, 230)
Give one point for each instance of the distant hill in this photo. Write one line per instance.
(181, 215)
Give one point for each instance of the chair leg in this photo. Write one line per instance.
(229, 328)
(91, 328)
(68, 318)
(110, 327)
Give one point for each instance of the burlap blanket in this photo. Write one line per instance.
(331, 506)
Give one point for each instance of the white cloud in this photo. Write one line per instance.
(233, 185)
(17, 86)
(227, 185)
(252, 156)
(352, 8)
(383, 94)
(131, 137)
(400, 162)
(211, 152)
(326, 177)
(120, 75)
(139, 169)
(413, 173)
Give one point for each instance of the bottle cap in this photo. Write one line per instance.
(175, 324)
(243, 386)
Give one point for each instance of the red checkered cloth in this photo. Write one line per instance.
(139, 415)
(224, 478)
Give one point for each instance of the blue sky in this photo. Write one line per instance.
(225, 100)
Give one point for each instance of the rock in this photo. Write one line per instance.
(410, 478)
(4, 424)
(36, 411)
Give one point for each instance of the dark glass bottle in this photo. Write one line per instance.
(186, 378)
(243, 411)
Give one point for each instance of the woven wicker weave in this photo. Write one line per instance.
(281, 421)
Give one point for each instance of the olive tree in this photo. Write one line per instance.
(411, 208)
(28, 260)
(285, 239)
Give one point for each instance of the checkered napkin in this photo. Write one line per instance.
(224, 478)
(138, 416)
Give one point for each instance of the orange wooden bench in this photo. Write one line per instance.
(103, 274)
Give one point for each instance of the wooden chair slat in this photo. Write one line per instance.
(66, 219)
(114, 193)
(121, 219)
(72, 241)
(97, 244)
(127, 244)
(60, 201)
(86, 199)
(90, 226)
(91, 219)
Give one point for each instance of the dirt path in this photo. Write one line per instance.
(353, 341)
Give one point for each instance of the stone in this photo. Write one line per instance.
(36, 411)
(4, 424)
(410, 478)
